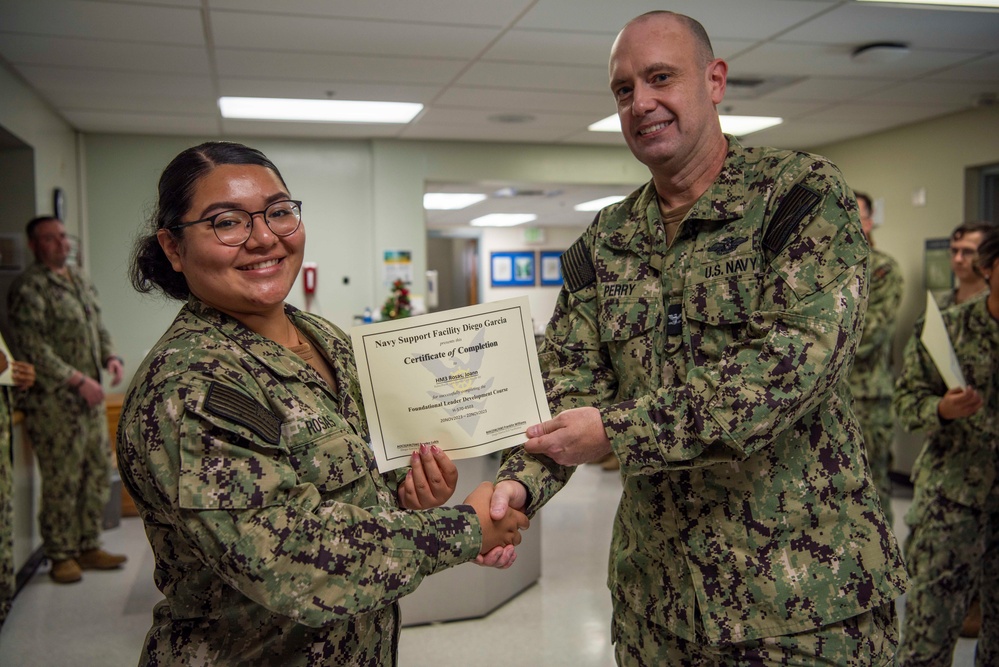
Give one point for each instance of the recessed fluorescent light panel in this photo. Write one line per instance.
(318, 111)
(503, 219)
(738, 126)
(941, 3)
(450, 201)
(597, 204)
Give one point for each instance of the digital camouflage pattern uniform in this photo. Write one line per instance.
(57, 326)
(954, 517)
(7, 579)
(276, 540)
(872, 381)
(719, 364)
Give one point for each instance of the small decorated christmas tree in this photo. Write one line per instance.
(397, 305)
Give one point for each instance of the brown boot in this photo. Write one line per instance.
(98, 559)
(65, 571)
(972, 620)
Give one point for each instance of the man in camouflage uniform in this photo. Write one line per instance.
(871, 381)
(964, 241)
(953, 549)
(705, 335)
(57, 325)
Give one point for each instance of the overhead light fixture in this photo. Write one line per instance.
(450, 201)
(941, 3)
(503, 219)
(318, 111)
(879, 53)
(597, 204)
(738, 126)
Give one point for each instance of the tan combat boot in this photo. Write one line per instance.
(98, 559)
(65, 571)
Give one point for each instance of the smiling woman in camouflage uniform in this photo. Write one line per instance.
(955, 509)
(242, 441)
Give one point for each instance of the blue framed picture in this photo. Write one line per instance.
(551, 268)
(512, 269)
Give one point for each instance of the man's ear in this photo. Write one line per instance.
(168, 242)
(717, 79)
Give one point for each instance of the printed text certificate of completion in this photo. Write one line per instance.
(466, 380)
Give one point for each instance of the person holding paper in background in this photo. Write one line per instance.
(954, 517)
(243, 443)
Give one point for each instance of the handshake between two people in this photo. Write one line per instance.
(430, 482)
(575, 436)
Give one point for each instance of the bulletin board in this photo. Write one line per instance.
(512, 269)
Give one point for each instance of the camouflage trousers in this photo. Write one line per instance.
(867, 640)
(874, 415)
(70, 442)
(6, 511)
(952, 549)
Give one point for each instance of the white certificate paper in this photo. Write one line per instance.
(937, 343)
(466, 380)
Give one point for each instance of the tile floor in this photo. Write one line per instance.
(561, 620)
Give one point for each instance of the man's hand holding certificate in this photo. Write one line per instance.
(466, 380)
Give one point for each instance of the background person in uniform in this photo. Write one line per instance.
(964, 241)
(953, 546)
(23, 376)
(704, 335)
(243, 444)
(872, 380)
(56, 320)
(954, 517)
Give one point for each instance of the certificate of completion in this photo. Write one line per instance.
(466, 380)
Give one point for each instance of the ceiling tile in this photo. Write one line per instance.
(103, 20)
(102, 54)
(333, 67)
(278, 32)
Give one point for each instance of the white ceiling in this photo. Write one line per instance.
(158, 66)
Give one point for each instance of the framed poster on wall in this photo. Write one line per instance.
(512, 269)
(551, 268)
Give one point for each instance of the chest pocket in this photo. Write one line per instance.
(718, 312)
(333, 461)
(629, 327)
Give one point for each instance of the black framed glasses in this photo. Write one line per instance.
(234, 227)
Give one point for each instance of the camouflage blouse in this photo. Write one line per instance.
(276, 540)
(719, 364)
(959, 459)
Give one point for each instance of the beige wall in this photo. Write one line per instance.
(892, 166)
